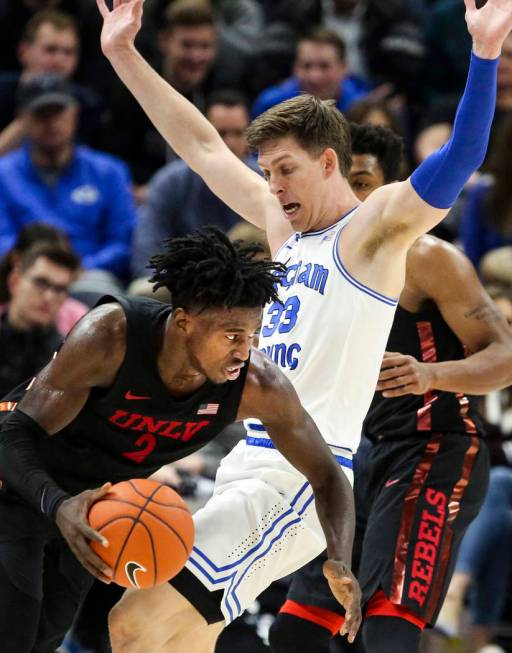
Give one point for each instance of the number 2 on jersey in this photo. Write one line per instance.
(282, 317)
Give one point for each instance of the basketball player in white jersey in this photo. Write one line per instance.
(346, 270)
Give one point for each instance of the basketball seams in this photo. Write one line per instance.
(160, 503)
(173, 530)
(161, 522)
(150, 535)
(136, 520)
(137, 505)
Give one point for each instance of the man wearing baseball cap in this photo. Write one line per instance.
(84, 192)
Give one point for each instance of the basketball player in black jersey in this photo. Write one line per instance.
(137, 385)
(426, 475)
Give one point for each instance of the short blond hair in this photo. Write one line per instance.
(315, 124)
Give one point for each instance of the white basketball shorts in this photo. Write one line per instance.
(259, 525)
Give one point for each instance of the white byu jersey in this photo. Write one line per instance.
(328, 336)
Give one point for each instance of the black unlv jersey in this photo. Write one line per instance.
(426, 336)
(135, 426)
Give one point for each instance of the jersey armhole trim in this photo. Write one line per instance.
(352, 280)
(294, 235)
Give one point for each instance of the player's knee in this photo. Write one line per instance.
(290, 634)
(122, 629)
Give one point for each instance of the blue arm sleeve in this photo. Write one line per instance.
(441, 177)
(471, 225)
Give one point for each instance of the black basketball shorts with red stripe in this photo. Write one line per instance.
(415, 498)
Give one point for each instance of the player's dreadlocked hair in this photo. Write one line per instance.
(206, 270)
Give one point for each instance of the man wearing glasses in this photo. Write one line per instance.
(38, 286)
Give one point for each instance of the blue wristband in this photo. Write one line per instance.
(440, 178)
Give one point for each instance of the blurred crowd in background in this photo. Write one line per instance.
(89, 189)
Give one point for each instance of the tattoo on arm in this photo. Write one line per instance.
(484, 313)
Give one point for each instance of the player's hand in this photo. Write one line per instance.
(71, 518)
(121, 25)
(346, 590)
(489, 26)
(401, 374)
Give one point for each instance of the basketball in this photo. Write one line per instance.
(149, 529)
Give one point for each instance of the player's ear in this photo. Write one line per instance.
(329, 160)
(14, 278)
(182, 320)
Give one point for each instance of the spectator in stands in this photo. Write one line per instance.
(239, 25)
(14, 15)
(84, 192)
(487, 219)
(484, 565)
(284, 22)
(374, 111)
(345, 18)
(38, 285)
(392, 43)
(36, 233)
(448, 45)
(188, 44)
(496, 266)
(50, 44)
(178, 200)
(320, 69)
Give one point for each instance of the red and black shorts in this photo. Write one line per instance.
(415, 498)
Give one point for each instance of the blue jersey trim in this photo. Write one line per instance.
(290, 513)
(357, 284)
(231, 565)
(231, 591)
(255, 427)
(336, 224)
(268, 444)
(294, 235)
(262, 442)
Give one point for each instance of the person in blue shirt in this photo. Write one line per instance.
(85, 193)
(320, 69)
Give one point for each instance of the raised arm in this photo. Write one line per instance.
(89, 358)
(269, 396)
(393, 217)
(186, 130)
(441, 273)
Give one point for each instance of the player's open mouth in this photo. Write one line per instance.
(291, 209)
(233, 372)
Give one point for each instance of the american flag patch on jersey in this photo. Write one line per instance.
(208, 409)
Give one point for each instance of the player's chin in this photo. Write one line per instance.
(218, 377)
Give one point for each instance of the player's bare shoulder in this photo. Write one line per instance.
(435, 266)
(266, 387)
(95, 348)
(103, 328)
(264, 374)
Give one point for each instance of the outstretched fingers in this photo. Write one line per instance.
(102, 7)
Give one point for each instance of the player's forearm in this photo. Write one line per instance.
(184, 127)
(335, 507)
(480, 373)
(20, 466)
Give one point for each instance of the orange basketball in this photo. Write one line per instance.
(149, 529)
